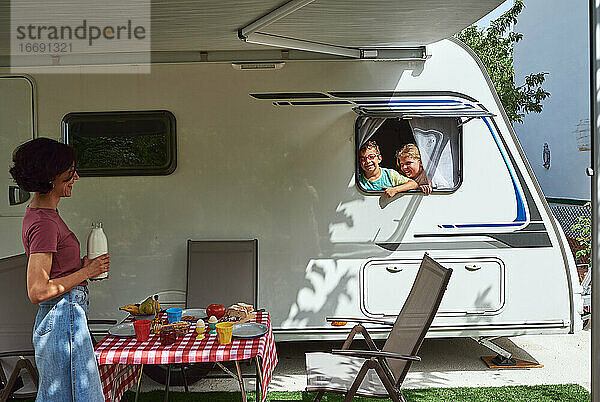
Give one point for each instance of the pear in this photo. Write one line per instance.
(147, 307)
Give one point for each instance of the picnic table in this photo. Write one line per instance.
(121, 359)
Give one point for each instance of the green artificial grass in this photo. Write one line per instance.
(520, 393)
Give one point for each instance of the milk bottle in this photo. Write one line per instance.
(97, 244)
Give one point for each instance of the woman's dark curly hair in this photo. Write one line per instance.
(37, 162)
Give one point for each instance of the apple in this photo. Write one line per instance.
(218, 310)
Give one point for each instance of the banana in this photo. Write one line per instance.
(135, 308)
(131, 308)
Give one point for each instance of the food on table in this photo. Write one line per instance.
(218, 310)
(167, 336)
(147, 306)
(157, 324)
(200, 328)
(180, 327)
(188, 318)
(131, 308)
(227, 318)
(212, 325)
(249, 307)
(238, 312)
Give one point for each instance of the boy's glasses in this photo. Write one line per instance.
(368, 157)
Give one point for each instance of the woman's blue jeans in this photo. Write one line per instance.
(64, 353)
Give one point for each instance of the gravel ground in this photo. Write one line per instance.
(452, 362)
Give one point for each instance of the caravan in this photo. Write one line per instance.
(267, 149)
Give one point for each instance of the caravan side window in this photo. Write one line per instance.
(122, 143)
(397, 145)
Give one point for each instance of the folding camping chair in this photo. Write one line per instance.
(18, 375)
(12, 382)
(375, 373)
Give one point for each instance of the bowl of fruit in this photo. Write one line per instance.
(143, 310)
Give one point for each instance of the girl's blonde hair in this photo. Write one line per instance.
(409, 150)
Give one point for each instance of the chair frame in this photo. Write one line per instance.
(22, 364)
(376, 359)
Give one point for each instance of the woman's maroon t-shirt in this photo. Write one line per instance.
(45, 232)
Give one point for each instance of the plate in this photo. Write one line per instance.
(125, 330)
(195, 312)
(142, 317)
(249, 330)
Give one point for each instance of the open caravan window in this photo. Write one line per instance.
(438, 140)
(122, 143)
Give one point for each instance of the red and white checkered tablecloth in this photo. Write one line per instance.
(115, 355)
(127, 375)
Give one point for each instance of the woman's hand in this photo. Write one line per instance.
(97, 266)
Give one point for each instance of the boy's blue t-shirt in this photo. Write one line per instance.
(388, 178)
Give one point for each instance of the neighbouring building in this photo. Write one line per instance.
(557, 141)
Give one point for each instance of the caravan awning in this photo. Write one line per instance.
(211, 25)
(207, 26)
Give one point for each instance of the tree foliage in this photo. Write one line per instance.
(494, 45)
(121, 151)
(583, 228)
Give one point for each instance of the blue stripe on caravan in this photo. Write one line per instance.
(332, 102)
(521, 211)
(489, 225)
(416, 102)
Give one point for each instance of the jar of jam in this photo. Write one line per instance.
(167, 336)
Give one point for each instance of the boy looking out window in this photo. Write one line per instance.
(408, 160)
(377, 178)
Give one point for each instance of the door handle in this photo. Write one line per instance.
(16, 196)
(473, 267)
(393, 270)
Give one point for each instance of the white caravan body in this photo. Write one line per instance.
(284, 173)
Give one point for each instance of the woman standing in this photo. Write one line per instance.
(56, 276)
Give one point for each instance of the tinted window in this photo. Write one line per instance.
(122, 143)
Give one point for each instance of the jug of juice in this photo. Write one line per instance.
(97, 244)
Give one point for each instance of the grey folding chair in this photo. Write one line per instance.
(18, 376)
(380, 373)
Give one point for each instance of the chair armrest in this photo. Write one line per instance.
(372, 353)
(361, 319)
(17, 353)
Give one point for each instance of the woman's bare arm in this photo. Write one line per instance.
(41, 288)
